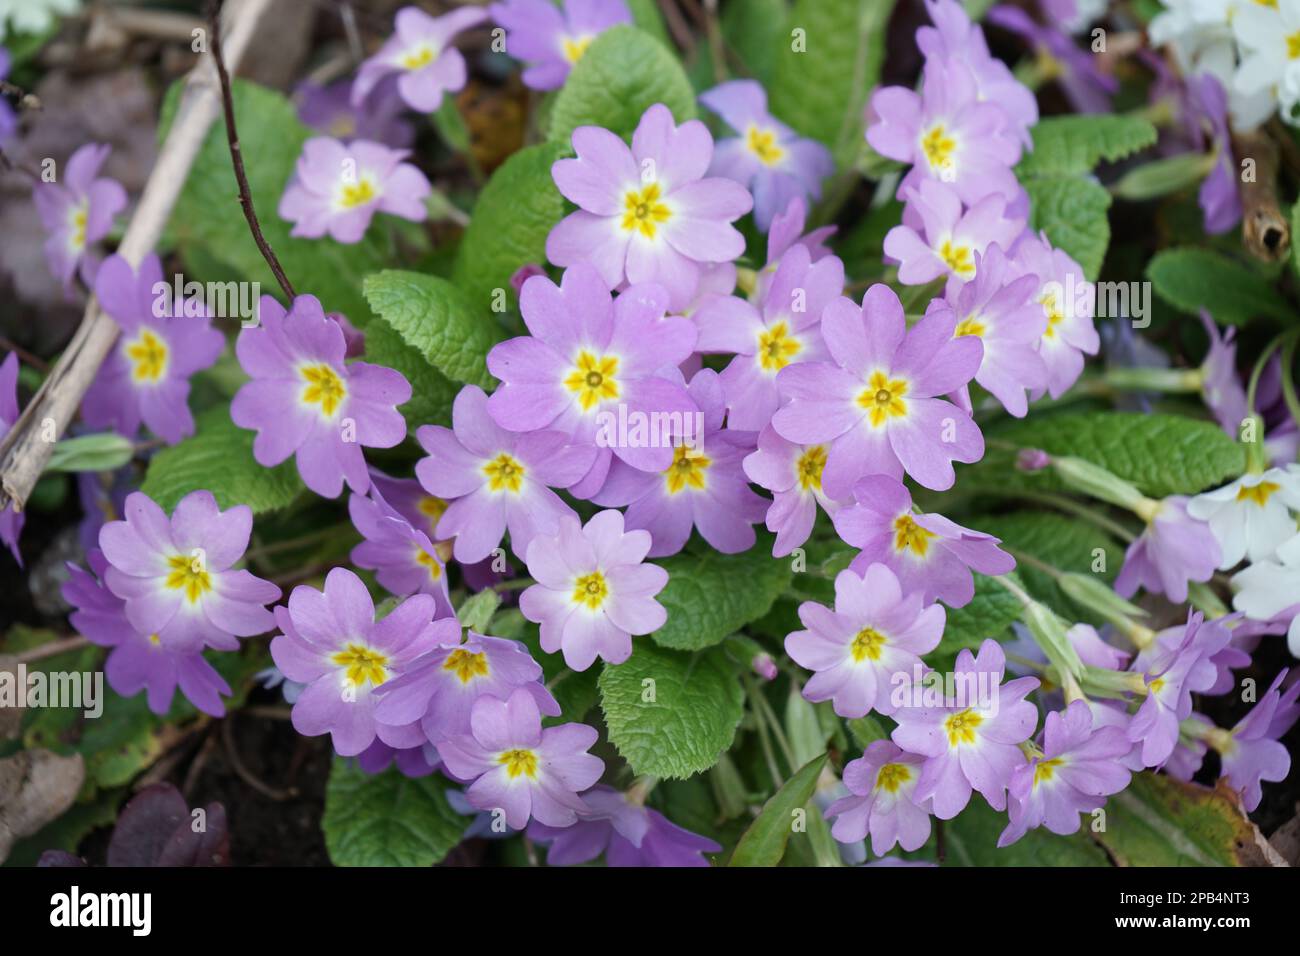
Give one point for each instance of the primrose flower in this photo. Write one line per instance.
(413, 762)
(146, 376)
(1250, 517)
(77, 213)
(328, 109)
(1251, 752)
(1268, 61)
(138, 660)
(868, 646)
(439, 689)
(337, 188)
(876, 403)
(8, 118)
(177, 577)
(936, 238)
(590, 358)
(1174, 549)
(782, 330)
(628, 833)
(421, 510)
(592, 592)
(882, 783)
(927, 552)
(550, 39)
(1267, 589)
(1219, 197)
(420, 54)
(11, 520)
(330, 641)
(404, 560)
(1168, 699)
(303, 400)
(787, 232)
(1078, 768)
(1068, 301)
(519, 768)
(647, 214)
(704, 487)
(1221, 388)
(947, 134)
(793, 473)
(498, 479)
(972, 738)
(767, 157)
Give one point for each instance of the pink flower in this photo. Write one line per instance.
(883, 786)
(420, 54)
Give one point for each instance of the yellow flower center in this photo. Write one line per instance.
(644, 210)
(358, 193)
(1055, 314)
(324, 388)
(432, 508)
(762, 143)
(505, 473)
(908, 535)
(188, 575)
(362, 664)
(426, 559)
(593, 379)
(419, 58)
(961, 727)
(1045, 769)
(1259, 493)
(882, 398)
(1293, 46)
(519, 762)
(687, 470)
(155, 640)
(78, 237)
(591, 590)
(466, 665)
(574, 47)
(867, 645)
(810, 466)
(958, 258)
(776, 347)
(971, 325)
(892, 776)
(148, 352)
(938, 146)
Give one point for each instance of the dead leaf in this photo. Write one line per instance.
(36, 786)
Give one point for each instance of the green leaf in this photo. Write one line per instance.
(1073, 213)
(432, 394)
(989, 613)
(387, 819)
(710, 595)
(822, 90)
(971, 839)
(646, 17)
(477, 610)
(1191, 279)
(1161, 177)
(1160, 454)
(763, 844)
(670, 714)
(515, 212)
(208, 218)
(437, 320)
(219, 458)
(752, 31)
(866, 730)
(623, 73)
(103, 451)
(1074, 145)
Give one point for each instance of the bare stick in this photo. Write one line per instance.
(28, 445)
(237, 158)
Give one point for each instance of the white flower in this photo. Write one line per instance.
(1249, 517)
(33, 16)
(1269, 40)
(1266, 589)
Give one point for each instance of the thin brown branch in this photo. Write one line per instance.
(237, 158)
(26, 357)
(246, 775)
(51, 648)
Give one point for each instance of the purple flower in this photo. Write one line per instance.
(336, 189)
(972, 737)
(177, 577)
(498, 478)
(1068, 301)
(647, 214)
(947, 134)
(1001, 311)
(146, 376)
(1221, 388)
(787, 232)
(1077, 70)
(1175, 548)
(927, 552)
(590, 359)
(420, 54)
(11, 519)
(329, 110)
(793, 473)
(628, 833)
(330, 641)
(1250, 752)
(404, 560)
(304, 400)
(767, 157)
(439, 689)
(1207, 106)
(784, 329)
(138, 660)
(883, 786)
(552, 40)
(936, 238)
(704, 487)
(77, 213)
(868, 646)
(8, 118)
(420, 509)
(1078, 768)
(519, 768)
(876, 403)
(592, 591)
(413, 762)
(1168, 677)
(102, 496)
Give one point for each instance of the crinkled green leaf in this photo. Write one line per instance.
(988, 615)
(1191, 279)
(387, 819)
(1073, 213)
(432, 393)
(710, 595)
(971, 839)
(1073, 145)
(764, 843)
(670, 714)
